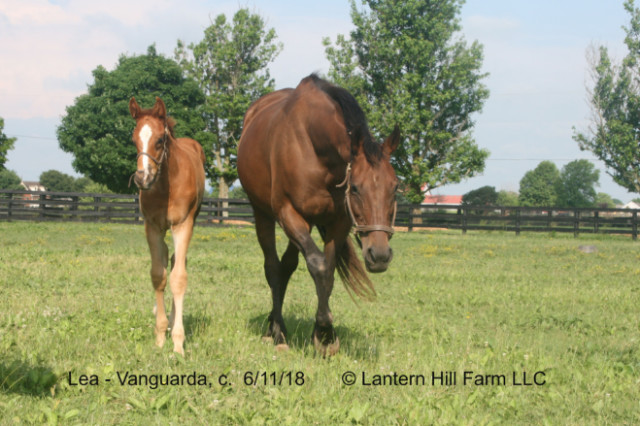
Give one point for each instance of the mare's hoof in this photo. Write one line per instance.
(326, 349)
(282, 347)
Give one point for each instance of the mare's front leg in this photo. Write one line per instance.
(321, 266)
(178, 280)
(159, 259)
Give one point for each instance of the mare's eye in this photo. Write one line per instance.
(354, 189)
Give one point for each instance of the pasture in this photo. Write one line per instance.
(76, 302)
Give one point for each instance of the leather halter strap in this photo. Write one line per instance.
(363, 229)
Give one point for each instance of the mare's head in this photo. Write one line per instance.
(371, 198)
(150, 136)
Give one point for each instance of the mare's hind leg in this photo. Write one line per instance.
(159, 259)
(178, 280)
(277, 273)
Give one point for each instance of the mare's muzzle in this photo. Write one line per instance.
(376, 251)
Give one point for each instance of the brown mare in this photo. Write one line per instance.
(170, 176)
(306, 158)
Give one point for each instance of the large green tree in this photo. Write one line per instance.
(484, 196)
(56, 181)
(407, 64)
(6, 144)
(539, 187)
(231, 67)
(576, 187)
(614, 133)
(10, 180)
(97, 128)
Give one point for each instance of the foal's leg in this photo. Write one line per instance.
(277, 273)
(178, 280)
(159, 259)
(321, 267)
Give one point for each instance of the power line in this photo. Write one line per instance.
(31, 137)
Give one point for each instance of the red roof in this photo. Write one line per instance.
(443, 199)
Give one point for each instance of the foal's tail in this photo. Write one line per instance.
(352, 273)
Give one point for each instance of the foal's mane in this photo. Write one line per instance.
(354, 119)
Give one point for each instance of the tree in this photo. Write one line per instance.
(56, 181)
(97, 128)
(576, 187)
(604, 201)
(230, 65)
(407, 64)
(10, 180)
(6, 144)
(507, 198)
(484, 196)
(614, 133)
(539, 187)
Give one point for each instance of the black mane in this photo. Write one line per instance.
(354, 119)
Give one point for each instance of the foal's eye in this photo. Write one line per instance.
(354, 189)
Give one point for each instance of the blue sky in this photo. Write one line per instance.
(535, 53)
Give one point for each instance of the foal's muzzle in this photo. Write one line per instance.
(145, 178)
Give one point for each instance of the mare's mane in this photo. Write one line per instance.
(354, 119)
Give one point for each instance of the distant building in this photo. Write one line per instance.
(32, 186)
(455, 200)
(631, 205)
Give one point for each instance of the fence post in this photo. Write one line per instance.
(74, 207)
(634, 226)
(10, 206)
(410, 226)
(41, 205)
(549, 219)
(465, 212)
(576, 223)
(517, 221)
(596, 216)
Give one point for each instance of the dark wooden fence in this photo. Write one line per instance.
(520, 219)
(82, 207)
(56, 206)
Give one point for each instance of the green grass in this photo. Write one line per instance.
(77, 298)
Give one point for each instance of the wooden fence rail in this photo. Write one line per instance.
(62, 206)
(85, 207)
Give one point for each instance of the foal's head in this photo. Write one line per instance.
(151, 135)
(371, 199)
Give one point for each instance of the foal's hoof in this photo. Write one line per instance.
(326, 349)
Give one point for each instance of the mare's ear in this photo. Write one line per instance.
(134, 108)
(159, 109)
(392, 142)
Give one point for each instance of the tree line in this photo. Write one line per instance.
(405, 62)
(573, 186)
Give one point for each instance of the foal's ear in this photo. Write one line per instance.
(159, 109)
(392, 142)
(134, 108)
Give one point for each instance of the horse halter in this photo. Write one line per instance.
(363, 229)
(154, 159)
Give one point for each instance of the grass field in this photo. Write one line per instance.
(509, 311)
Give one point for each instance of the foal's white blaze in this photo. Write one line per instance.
(145, 137)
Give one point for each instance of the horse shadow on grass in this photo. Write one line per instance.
(196, 324)
(19, 377)
(299, 331)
